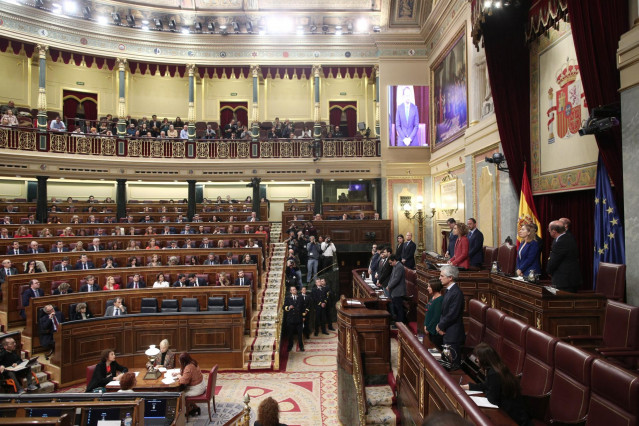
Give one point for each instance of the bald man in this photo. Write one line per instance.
(563, 262)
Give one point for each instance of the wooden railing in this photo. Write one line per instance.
(17, 138)
(358, 378)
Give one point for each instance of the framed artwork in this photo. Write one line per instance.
(449, 91)
(561, 160)
(408, 116)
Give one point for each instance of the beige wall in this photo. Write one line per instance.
(13, 188)
(14, 79)
(215, 90)
(153, 94)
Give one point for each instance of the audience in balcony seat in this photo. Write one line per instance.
(11, 119)
(10, 106)
(58, 125)
(172, 133)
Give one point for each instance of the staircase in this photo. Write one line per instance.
(46, 385)
(264, 349)
(381, 407)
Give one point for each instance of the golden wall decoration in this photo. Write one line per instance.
(178, 149)
(223, 150)
(4, 138)
(369, 148)
(108, 146)
(286, 149)
(329, 149)
(306, 149)
(83, 146)
(349, 148)
(243, 149)
(27, 141)
(266, 149)
(58, 143)
(135, 148)
(202, 150)
(157, 149)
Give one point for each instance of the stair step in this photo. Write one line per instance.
(379, 396)
(381, 415)
(46, 387)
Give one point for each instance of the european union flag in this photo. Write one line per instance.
(609, 237)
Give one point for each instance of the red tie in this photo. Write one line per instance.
(55, 323)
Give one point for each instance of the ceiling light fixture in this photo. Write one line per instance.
(145, 28)
(130, 20)
(249, 27)
(70, 7)
(262, 30)
(186, 30)
(102, 20)
(211, 27)
(377, 29)
(338, 30)
(300, 30)
(158, 24)
(361, 25)
(56, 8)
(116, 18)
(172, 25)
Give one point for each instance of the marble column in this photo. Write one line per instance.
(120, 198)
(191, 115)
(317, 129)
(191, 199)
(42, 88)
(255, 127)
(376, 74)
(41, 204)
(121, 97)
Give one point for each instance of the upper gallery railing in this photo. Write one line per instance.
(23, 139)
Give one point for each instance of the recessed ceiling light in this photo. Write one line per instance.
(300, 30)
(102, 20)
(145, 22)
(185, 30)
(56, 8)
(145, 28)
(362, 25)
(338, 30)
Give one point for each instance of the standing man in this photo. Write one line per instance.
(306, 300)
(407, 120)
(295, 314)
(451, 323)
(330, 304)
(319, 299)
(452, 239)
(374, 263)
(313, 251)
(397, 288)
(408, 251)
(475, 244)
(563, 263)
(49, 323)
(328, 252)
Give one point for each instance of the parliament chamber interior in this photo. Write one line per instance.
(316, 212)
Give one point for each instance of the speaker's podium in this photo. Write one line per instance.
(363, 354)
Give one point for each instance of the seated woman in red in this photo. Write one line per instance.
(460, 259)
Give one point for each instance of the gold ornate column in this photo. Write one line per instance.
(191, 114)
(42, 87)
(255, 130)
(376, 74)
(121, 97)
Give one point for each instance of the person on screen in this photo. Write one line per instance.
(407, 119)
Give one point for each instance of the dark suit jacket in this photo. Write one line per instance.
(229, 262)
(78, 265)
(563, 264)
(178, 284)
(528, 258)
(28, 294)
(247, 282)
(100, 376)
(46, 328)
(408, 253)
(58, 267)
(85, 288)
(384, 274)
(452, 239)
(397, 283)
(57, 291)
(30, 250)
(3, 274)
(294, 315)
(200, 282)
(451, 320)
(475, 248)
(141, 284)
(374, 263)
(55, 250)
(11, 252)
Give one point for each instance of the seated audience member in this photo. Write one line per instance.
(4, 234)
(210, 260)
(49, 323)
(63, 288)
(247, 260)
(109, 263)
(127, 382)
(34, 248)
(59, 248)
(209, 133)
(188, 244)
(116, 309)
(190, 376)
(166, 357)
(82, 312)
(130, 131)
(268, 413)
(172, 132)
(136, 282)
(173, 260)
(306, 133)
(229, 259)
(10, 106)
(194, 281)
(84, 263)
(184, 133)
(235, 244)
(79, 246)
(501, 386)
(64, 265)
(155, 261)
(8, 119)
(160, 282)
(223, 280)
(132, 245)
(178, 123)
(193, 261)
(91, 285)
(528, 253)
(10, 356)
(242, 280)
(181, 281)
(33, 267)
(106, 371)
(57, 125)
(111, 284)
(152, 245)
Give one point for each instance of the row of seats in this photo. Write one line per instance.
(561, 382)
(117, 245)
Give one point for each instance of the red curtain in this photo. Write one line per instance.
(230, 110)
(335, 116)
(70, 101)
(596, 29)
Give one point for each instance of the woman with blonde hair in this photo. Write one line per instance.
(111, 284)
(79, 246)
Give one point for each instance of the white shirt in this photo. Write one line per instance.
(159, 284)
(184, 134)
(328, 249)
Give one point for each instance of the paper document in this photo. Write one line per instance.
(23, 364)
(162, 369)
(113, 383)
(482, 402)
(168, 380)
(136, 373)
(469, 392)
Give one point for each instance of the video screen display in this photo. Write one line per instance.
(94, 415)
(408, 116)
(154, 408)
(44, 412)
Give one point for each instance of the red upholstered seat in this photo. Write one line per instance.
(90, 370)
(490, 256)
(476, 322)
(611, 281)
(507, 258)
(493, 333)
(513, 345)
(208, 394)
(614, 399)
(539, 363)
(570, 394)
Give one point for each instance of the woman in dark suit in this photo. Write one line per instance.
(460, 259)
(528, 254)
(400, 245)
(501, 386)
(106, 371)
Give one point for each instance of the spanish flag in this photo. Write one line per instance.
(527, 212)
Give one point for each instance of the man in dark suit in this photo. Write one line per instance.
(206, 244)
(7, 270)
(31, 220)
(63, 266)
(408, 251)
(137, 282)
(475, 244)
(452, 239)
(187, 229)
(384, 268)
(320, 301)
(90, 286)
(397, 288)
(34, 248)
(374, 263)
(229, 259)
(242, 280)
(34, 290)
(451, 323)
(295, 313)
(49, 323)
(181, 281)
(59, 248)
(307, 301)
(15, 249)
(84, 263)
(194, 281)
(563, 263)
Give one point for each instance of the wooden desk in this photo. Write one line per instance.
(361, 290)
(210, 337)
(561, 315)
(147, 385)
(425, 387)
(352, 231)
